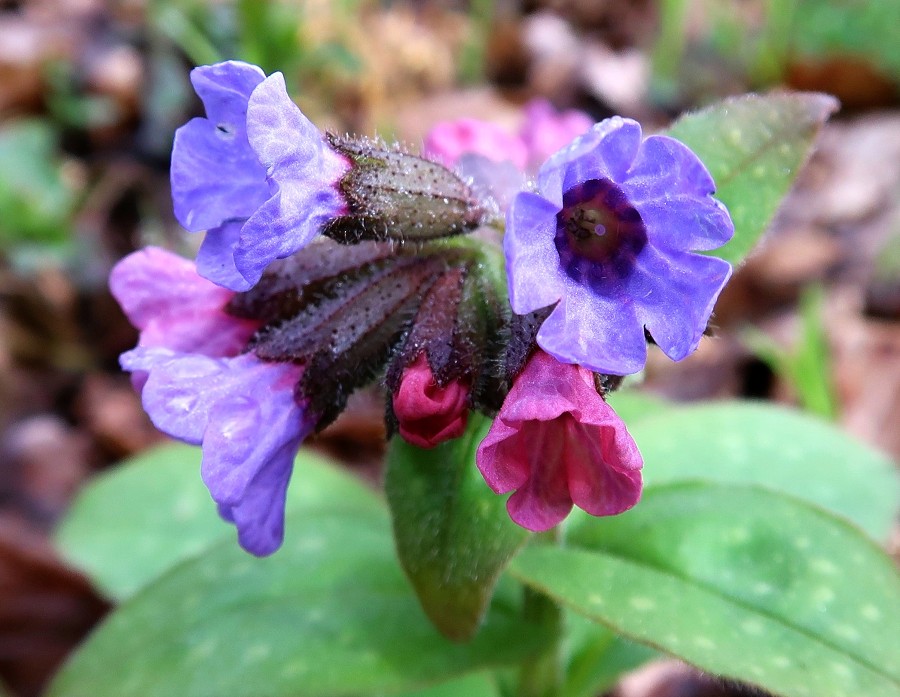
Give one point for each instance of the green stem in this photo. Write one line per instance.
(542, 675)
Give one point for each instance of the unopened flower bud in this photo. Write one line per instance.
(391, 194)
(428, 413)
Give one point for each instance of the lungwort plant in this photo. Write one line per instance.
(496, 288)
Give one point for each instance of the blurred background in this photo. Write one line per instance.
(91, 92)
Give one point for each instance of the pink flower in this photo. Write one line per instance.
(556, 443)
(427, 413)
(448, 141)
(546, 130)
(172, 306)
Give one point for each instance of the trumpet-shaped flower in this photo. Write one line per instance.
(556, 443)
(609, 241)
(255, 173)
(198, 386)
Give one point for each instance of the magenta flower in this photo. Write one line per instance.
(449, 141)
(255, 173)
(545, 130)
(609, 240)
(556, 443)
(427, 413)
(197, 386)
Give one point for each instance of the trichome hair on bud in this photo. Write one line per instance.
(391, 194)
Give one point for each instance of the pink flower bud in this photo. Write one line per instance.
(427, 413)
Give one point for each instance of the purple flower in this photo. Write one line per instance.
(609, 240)
(255, 173)
(197, 386)
(556, 442)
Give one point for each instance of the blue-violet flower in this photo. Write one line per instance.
(609, 239)
(255, 173)
(197, 386)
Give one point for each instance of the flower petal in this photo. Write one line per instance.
(163, 296)
(448, 141)
(599, 333)
(259, 515)
(665, 167)
(601, 438)
(604, 152)
(545, 130)
(674, 295)
(215, 174)
(684, 222)
(215, 258)
(255, 417)
(532, 262)
(556, 442)
(302, 173)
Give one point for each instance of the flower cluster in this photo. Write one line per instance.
(301, 293)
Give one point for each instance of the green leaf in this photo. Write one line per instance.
(754, 146)
(477, 685)
(453, 534)
(143, 517)
(330, 614)
(632, 405)
(598, 657)
(741, 582)
(779, 448)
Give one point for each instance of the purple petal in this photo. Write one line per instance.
(685, 222)
(215, 174)
(664, 168)
(180, 389)
(532, 262)
(259, 516)
(593, 331)
(604, 152)
(674, 294)
(215, 258)
(302, 172)
(257, 417)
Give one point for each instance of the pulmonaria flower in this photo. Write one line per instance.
(609, 240)
(556, 443)
(545, 130)
(428, 413)
(197, 386)
(448, 141)
(255, 173)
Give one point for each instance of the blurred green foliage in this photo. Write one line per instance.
(757, 42)
(807, 367)
(36, 199)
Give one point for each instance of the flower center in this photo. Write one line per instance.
(598, 226)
